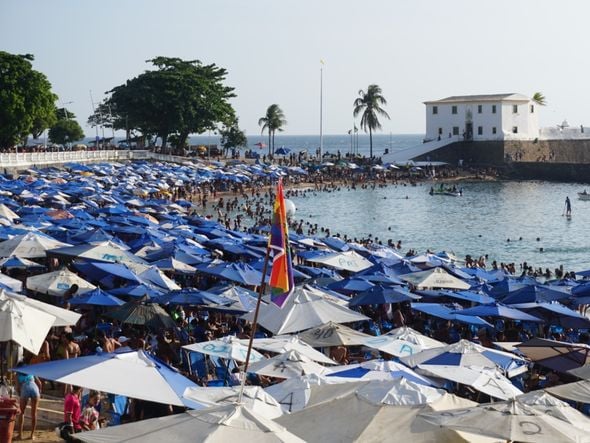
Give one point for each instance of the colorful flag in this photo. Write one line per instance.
(281, 276)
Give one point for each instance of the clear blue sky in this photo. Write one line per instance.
(415, 50)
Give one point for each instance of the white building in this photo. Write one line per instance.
(482, 117)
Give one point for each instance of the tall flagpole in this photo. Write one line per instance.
(321, 108)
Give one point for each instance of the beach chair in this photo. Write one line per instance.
(197, 364)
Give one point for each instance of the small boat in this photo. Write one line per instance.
(448, 192)
(584, 195)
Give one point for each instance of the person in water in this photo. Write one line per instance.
(568, 207)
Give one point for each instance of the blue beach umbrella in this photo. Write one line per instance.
(470, 296)
(536, 293)
(351, 285)
(237, 272)
(378, 295)
(498, 310)
(449, 312)
(377, 370)
(555, 313)
(96, 297)
(192, 296)
(138, 291)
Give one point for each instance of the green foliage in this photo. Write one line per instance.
(179, 97)
(64, 114)
(232, 136)
(539, 99)
(369, 103)
(65, 131)
(273, 121)
(26, 101)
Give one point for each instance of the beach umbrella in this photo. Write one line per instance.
(141, 290)
(57, 283)
(350, 285)
(498, 310)
(240, 273)
(305, 308)
(229, 348)
(30, 245)
(509, 420)
(449, 312)
(487, 380)
(402, 341)
(557, 355)
(9, 283)
(14, 262)
(333, 334)
(434, 278)
(24, 324)
(96, 297)
(100, 252)
(345, 261)
(156, 277)
(121, 373)
(63, 317)
(554, 313)
(378, 295)
(470, 296)
(107, 271)
(192, 296)
(151, 315)
(578, 391)
(534, 293)
(466, 353)
(175, 266)
(8, 213)
(375, 370)
(218, 424)
(243, 299)
(545, 402)
(378, 411)
(286, 365)
(293, 394)
(254, 398)
(283, 343)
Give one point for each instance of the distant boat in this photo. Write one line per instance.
(448, 192)
(584, 195)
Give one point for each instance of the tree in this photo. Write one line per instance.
(65, 131)
(369, 103)
(179, 97)
(26, 101)
(539, 99)
(273, 121)
(232, 136)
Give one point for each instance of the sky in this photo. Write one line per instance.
(414, 50)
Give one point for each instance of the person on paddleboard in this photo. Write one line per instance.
(568, 207)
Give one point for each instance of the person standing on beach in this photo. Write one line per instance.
(568, 207)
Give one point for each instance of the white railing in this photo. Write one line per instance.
(27, 159)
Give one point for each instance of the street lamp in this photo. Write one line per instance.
(65, 110)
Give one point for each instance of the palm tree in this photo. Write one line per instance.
(369, 103)
(273, 121)
(539, 99)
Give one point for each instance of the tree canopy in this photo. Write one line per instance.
(27, 105)
(273, 121)
(65, 131)
(178, 98)
(232, 136)
(369, 103)
(539, 99)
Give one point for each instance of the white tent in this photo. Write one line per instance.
(403, 341)
(283, 343)
(375, 413)
(435, 278)
(220, 424)
(24, 324)
(58, 282)
(303, 310)
(30, 245)
(254, 398)
(346, 261)
(333, 334)
(287, 365)
(63, 317)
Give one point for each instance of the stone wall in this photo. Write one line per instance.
(481, 153)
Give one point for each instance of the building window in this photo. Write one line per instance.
(479, 109)
(494, 130)
(455, 130)
(453, 109)
(515, 109)
(439, 131)
(515, 129)
(480, 130)
(532, 109)
(493, 109)
(435, 110)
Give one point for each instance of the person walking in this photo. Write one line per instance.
(28, 387)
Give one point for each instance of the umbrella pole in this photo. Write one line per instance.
(254, 322)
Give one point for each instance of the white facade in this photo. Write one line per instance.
(482, 117)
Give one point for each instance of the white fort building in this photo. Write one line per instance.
(482, 117)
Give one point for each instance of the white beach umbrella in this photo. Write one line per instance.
(346, 261)
(254, 398)
(509, 420)
(304, 309)
(286, 365)
(63, 317)
(58, 282)
(24, 324)
(294, 393)
(11, 283)
(435, 278)
(333, 334)
(229, 348)
(8, 213)
(374, 370)
(545, 402)
(219, 424)
(402, 341)
(284, 343)
(157, 277)
(30, 245)
(487, 380)
(578, 391)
